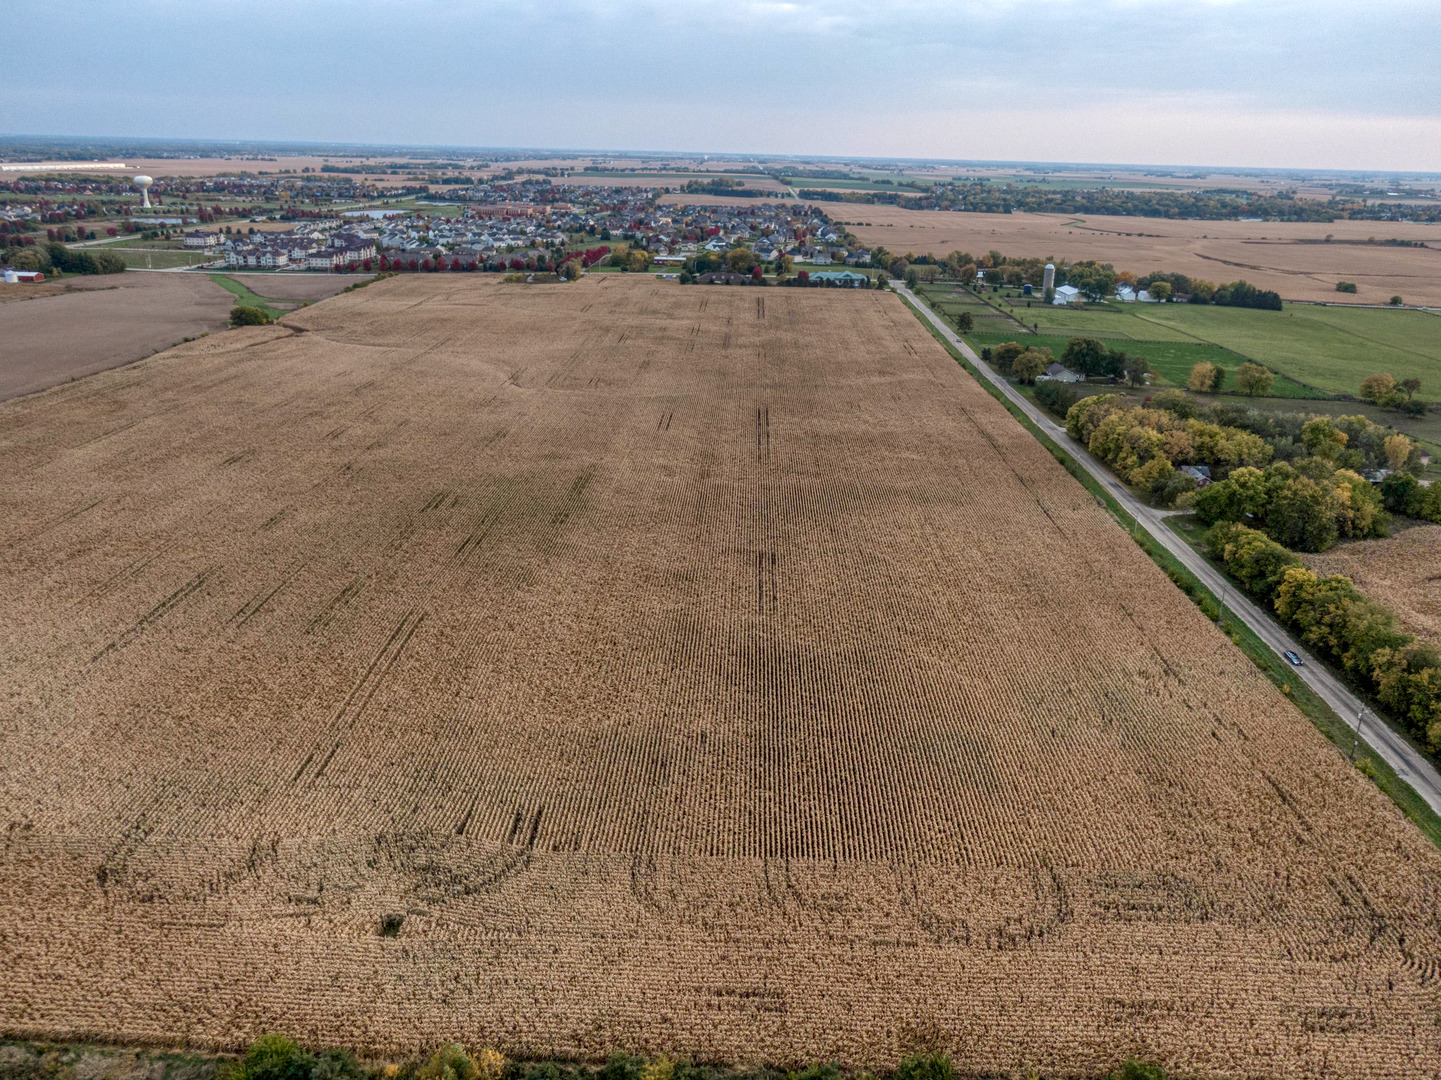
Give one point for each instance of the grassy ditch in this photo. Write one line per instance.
(246, 298)
(1281, 674)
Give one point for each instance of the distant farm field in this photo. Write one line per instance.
(1292, 258)
(628, 666)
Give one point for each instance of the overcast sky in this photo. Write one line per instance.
(1314, 84)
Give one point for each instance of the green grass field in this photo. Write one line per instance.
(1331, 348)
(1328, 348)
(160, 259)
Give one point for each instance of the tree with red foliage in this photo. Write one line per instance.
(428, 266)
(516, 264)
(384, 263)
(365, 264)
(352, 266)
(112, 232)
(414, 265)
(804, 275)
(756, 274)
(471, 266)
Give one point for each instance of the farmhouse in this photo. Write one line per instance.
(1059, 373)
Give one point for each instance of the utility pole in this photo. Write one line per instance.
(1356, 735)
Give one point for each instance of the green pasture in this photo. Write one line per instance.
(1330, 348)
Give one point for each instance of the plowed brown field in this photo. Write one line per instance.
(718, 671)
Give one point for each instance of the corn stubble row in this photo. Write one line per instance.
(627, 666)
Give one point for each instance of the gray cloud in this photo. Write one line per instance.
(706, 74)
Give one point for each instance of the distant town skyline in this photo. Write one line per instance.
(1225, 83)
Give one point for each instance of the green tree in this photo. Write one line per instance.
(1253, 380)
(1031, 363)
(450, 1062)
(1086, 355)
(1410, 387)
(926, 1067)
(1379, 389)
(1095, 280)
(1322, 438)
(1302, 515)
(965, 323)
(274, 1057)
(741, 260)
(1004, 355)
(1137, 368)
(245, 315)
(785, 265)
(1160, 290)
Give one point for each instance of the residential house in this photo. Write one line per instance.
(1056, 372)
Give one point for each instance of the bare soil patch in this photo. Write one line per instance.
(102, 322)
(1291, 258)
(1402, 572)
(705, 671)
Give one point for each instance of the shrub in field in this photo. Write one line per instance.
(623, 1067)
(274, 1057)
(1346, 286)
(246, 315)
(490, 1064)
(450, 1062)
(336, 1065)
(926, 1067)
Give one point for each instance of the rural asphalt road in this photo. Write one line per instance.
(1408, 762)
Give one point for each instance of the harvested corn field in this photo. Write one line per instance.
(621, 665)
(1401, 572)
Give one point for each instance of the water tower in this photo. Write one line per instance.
(143, 183)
